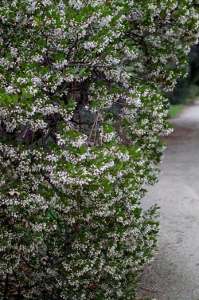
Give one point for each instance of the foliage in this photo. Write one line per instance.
(81, 114)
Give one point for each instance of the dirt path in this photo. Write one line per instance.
(174, 274)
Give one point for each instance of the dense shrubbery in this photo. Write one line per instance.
(81, 115)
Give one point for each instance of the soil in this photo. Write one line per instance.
(174, 273)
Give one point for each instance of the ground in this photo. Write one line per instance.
(174, 274)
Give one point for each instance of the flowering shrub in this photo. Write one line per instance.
(81, 115)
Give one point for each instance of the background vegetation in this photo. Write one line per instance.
(187, 89)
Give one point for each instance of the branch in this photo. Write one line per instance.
(71, 48)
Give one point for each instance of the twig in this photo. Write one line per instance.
(6, 285)
(152, 291)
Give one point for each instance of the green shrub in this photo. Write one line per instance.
(81, 115)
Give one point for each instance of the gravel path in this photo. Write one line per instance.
(174, 274)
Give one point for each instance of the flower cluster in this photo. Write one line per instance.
(81, 111)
